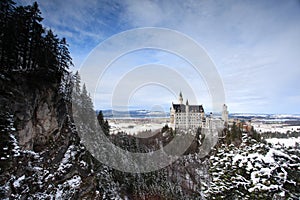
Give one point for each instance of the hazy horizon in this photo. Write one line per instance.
(206, 112)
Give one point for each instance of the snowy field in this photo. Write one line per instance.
(281, 128)
(135, 126)
(288, 142)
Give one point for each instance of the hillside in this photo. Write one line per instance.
(48, 125)
(43, 157)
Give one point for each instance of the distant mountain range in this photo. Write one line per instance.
(135, 114)
(161, 114)
(271, 117)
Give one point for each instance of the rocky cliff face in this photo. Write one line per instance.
(41, 153)
(34, 108)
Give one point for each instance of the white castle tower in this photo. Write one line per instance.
(225, 114)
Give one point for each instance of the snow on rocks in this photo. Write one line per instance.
(67, 188)
(74, 182)
(16, 148)
(68, 157)
(17, 182)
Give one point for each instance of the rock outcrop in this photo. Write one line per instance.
(42, 156)
(34, 107)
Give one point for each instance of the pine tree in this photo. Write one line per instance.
(6, 9)
(165, 128)
(25, 46)
(87, 109)
(106, 127)
(77, 82)
(35, 34)
(103, 124)
(86, 99)
(255, 135)
(65, 59)
(22, 28)
(50, 53)
(100, 118)
(254, 171)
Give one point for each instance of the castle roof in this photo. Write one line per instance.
(192, 108)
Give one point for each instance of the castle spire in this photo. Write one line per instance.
(180, 98)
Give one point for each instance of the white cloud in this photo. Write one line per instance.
(255, 45)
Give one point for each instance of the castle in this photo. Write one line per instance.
(185, 116)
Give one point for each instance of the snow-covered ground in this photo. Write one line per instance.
(135, 126)
(288, 142)
(262, 126)
(268, 127)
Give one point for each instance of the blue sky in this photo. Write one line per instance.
(255, 46)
